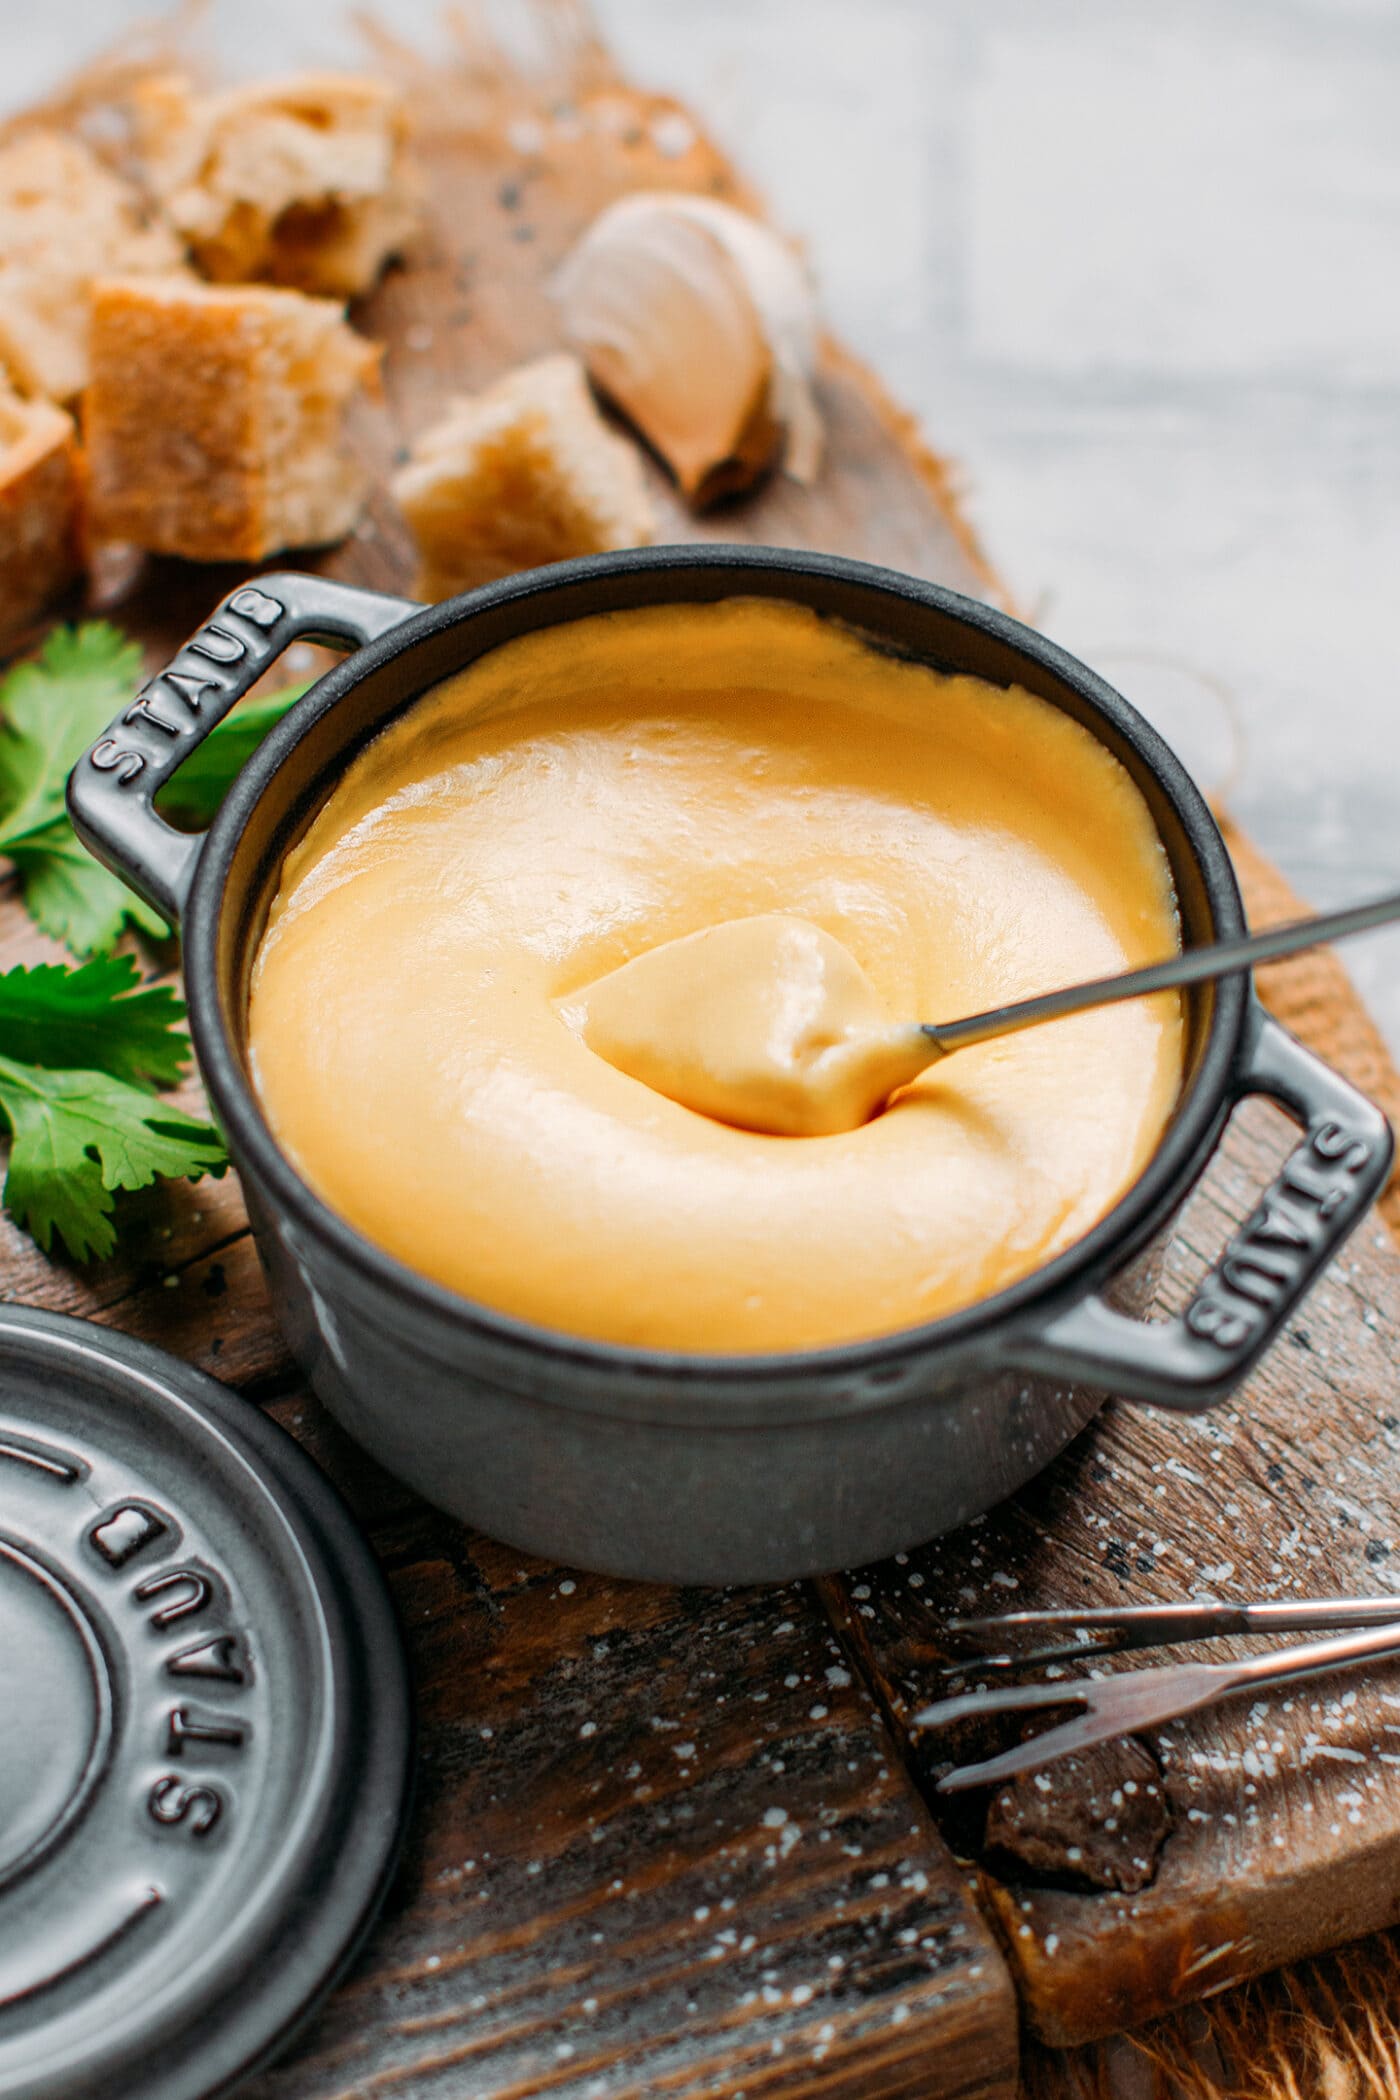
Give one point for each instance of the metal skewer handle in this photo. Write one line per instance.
(1111, 1631)
(1194, 966)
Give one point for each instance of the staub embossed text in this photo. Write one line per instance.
(171, 703)
(1282, 1239)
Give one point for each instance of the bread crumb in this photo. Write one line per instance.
(64, 218)
(305, 182)
(39, 501)
(522, 474)
(214, 421)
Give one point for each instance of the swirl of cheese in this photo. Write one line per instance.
(766, 1023)
(608, 790)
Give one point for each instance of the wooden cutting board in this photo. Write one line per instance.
(680, 1843)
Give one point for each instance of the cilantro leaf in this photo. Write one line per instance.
(81, 1052)
(95, 1019)
(50, 711)
(78, 1136)
(72, 897)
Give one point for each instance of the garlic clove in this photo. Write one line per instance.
(699, 322)
(783, 298)
(667, 329)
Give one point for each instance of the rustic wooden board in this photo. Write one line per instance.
(606, 1768)
(1275, 1826)
(664, 1844)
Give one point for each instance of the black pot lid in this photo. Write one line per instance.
(205, 1736)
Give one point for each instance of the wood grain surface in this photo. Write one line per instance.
(679, 1843)
(664, 1845)
(1276, 1823)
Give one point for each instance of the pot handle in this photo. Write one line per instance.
(112, 788)
(1322, 1191)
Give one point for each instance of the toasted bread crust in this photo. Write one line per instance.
(64, 218)
(303, 182)
(40, 490)
(525, 473)
(214, 418)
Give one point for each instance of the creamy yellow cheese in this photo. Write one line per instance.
(765, 1022)
(587, 794)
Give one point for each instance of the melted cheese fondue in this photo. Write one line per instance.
(766, 1023)
(928, 846)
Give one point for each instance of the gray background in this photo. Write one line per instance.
(1138, 268)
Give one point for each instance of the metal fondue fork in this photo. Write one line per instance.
(1192, 966)
(1115, 1629)
(1134, 1700)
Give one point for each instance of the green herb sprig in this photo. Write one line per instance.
(51, 709)
(84, 1052)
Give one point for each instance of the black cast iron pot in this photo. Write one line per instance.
(701, 1468)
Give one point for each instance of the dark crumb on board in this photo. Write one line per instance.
(1097, 1821)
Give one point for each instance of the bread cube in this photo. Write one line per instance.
(63, 219)
(215, 418)
(303, 182)
(39, 502)
(525, 473)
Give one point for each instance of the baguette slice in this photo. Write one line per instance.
(215, 418)
(63, 219)
(525, 473)
(40, 489)
(303, 182)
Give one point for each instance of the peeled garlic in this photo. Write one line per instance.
(700, 324)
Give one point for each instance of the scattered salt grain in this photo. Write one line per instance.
(672, 134)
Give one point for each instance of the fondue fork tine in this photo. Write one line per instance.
(1135, 1700)
(1157, 1626)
